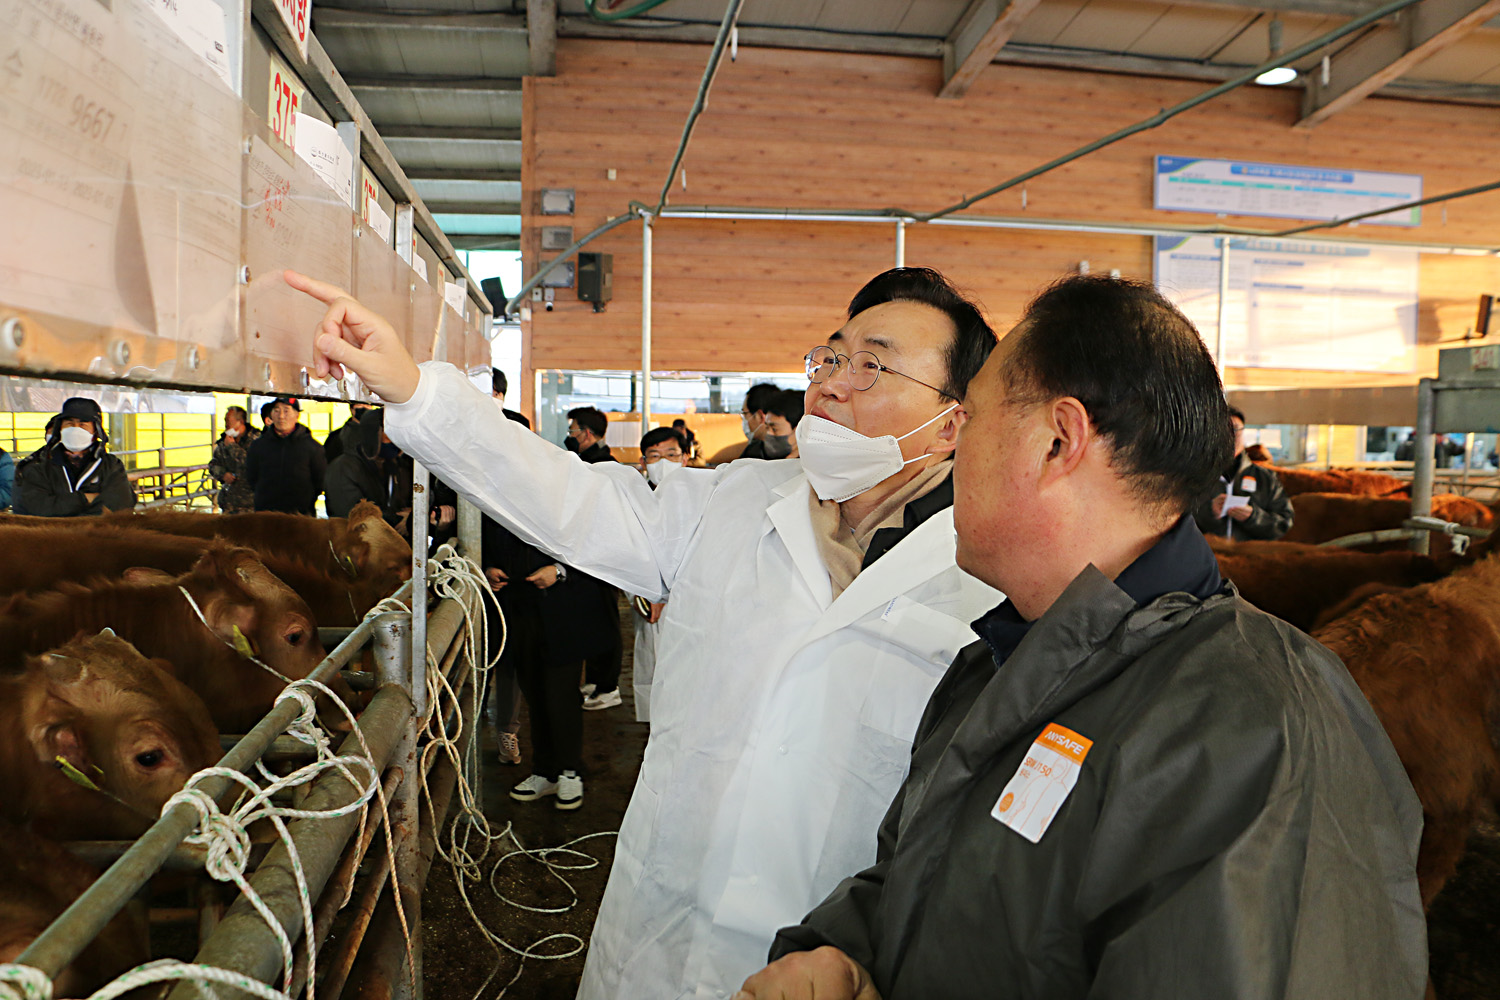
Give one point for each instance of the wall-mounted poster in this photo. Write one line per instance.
(1295, 304)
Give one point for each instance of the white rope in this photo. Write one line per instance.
(247, 654)
(22, 982)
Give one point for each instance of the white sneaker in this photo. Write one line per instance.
(510, 749)
(608, 699)
(587, 690)
(534, 787)
(569, 790)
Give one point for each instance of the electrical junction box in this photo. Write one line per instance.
(596, 278)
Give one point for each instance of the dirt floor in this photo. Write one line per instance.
(457, 958)
(1464, 926)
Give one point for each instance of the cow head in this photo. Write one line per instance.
(116, 721)
(248, 608)
(372, 551)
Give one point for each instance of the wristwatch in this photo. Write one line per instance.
(562, 572)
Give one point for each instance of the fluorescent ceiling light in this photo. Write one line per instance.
(1276, 77)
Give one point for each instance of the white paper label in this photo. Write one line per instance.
(455, 293)
(419, 264)
(1042, 783)
(294, 13)
(318, 143)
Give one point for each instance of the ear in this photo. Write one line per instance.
(233, 623)
(1072, 438)
(947, 436)
(145, 574)
(165, 666)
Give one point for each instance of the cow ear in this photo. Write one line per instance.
(165, 666)
(233, 623)
(70, 757)
(145, 574)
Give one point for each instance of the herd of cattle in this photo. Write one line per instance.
(128, 643)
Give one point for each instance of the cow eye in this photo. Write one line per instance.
(150, 758)
(295, 637)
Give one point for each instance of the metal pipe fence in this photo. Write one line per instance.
(330, 854)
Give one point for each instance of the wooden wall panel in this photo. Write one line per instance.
(834, 130)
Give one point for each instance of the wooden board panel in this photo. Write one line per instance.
(844, 131)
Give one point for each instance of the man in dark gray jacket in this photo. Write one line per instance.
(1136, 785)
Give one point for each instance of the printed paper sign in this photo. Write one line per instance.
(379, 222)
(200, 25)
(318, 143)
(456, 293)
(284, 103)
(419, 264)
(1042, 784)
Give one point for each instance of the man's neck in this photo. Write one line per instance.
(856, 509)
(1080, 543)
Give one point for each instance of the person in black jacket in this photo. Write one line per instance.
(342, 439)
(1136, 785)
(367, 470)
(1258, 508)
(73, 474)
(286, 466)
(586, 427)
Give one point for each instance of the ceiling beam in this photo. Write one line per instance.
(472, 207)
(1380, 57)
(333, 17)
(771, 38)
(977, 38)
(541, 36)
(451, 133)
(485, 241)
(418, 174)
(468, 85)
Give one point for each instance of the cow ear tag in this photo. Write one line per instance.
(76, 776)
(242, 644)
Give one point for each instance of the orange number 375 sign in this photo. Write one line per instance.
(294, 13)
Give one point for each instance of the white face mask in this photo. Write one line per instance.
(660, 470)
(231, 432)
(77, 438)
(745, 426)
(841, 463)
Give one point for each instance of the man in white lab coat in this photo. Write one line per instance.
(814, 605)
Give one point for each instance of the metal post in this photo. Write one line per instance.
(470, 530)
(1422, 460)
(395, 656)
(420, 505)
(900, 242)
(645, 324)
(1223, 305)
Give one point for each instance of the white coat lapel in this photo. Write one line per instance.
(792, 520)
(921, 555)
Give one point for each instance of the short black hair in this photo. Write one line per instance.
(758, 398)
(244, 417)
(1143, 373)
(660, 435)
(973, 340)
(1235, 411)
(498, 382)
(265, 410)
(788, 404)
(590, 418)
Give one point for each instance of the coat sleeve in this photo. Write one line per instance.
(116, 492)
(604, 519)
(37, 494)
(252, 463)
(1271, 515)
(7, 478)
(318, 470)
(343, 490)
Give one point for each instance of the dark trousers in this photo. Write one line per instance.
(506, 713)
(603, 670)
(556, 710)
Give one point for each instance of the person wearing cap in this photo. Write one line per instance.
(286, 465)
(73, 474)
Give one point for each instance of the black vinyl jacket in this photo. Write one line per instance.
(1240, 827)
(570, 618)
(1270, 507)
(49, 485)
(286, 473)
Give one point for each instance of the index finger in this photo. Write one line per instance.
(320, 290)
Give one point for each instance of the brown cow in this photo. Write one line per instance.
(122, 723)
(1298, 583)
(38, 880)
(1428, 659)
(244, 606)
(1355, 482)
(361, 547)
(1322, 517)
(47, 555)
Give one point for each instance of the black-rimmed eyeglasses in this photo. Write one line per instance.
(864, 368)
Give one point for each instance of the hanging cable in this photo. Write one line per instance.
(619, 15)
(1435, 199)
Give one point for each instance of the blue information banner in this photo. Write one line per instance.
(1233, 187)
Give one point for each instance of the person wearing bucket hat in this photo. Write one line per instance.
(73, 474)
(286, 466)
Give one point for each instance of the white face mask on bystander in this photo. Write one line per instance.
(841, 463)
(77, 438)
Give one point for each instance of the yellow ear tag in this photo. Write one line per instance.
(242, 644)
(76, 776)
